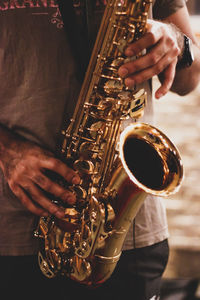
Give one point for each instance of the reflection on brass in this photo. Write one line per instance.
(138, 103)
(117, 169)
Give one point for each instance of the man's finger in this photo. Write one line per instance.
(36, 195)
(143, 62)
(62, 169)
(148, 73)
(54, 188)
(28, 203)
(168, 75)
(145, 42)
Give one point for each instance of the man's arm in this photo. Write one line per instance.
(164, 44)
(186, 79)
(23, 164)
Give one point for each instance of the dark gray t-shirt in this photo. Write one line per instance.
(38, 83)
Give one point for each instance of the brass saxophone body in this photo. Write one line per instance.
(117, 169)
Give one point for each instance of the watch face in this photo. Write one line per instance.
(190, 53)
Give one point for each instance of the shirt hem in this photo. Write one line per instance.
(147, 240)
(18, 251)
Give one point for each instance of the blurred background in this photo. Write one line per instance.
(179, 118)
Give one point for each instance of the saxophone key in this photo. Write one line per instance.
(113, 86)
(89, 150)
(117, 62)
(98, 128)
(86, 139)
(121, 44)
(131, 29)
(84, 166)
(110, 77)
(64, 145)
(138, 103)
(80, 192)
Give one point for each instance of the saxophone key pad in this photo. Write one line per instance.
(84, 166)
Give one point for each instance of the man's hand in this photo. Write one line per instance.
(23, 165)
(162, 45)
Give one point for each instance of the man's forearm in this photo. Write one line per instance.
(187, 79)
(8, 145)
(7, 139)
(23, 164)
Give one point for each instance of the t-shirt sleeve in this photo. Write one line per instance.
(164, 8)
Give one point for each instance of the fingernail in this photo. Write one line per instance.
(69, 197)
(129, 82)
(123, 72)
(129, 52)
(71, 200)
(45, 214)
(60, 214)
(75, 180)
(159, 95)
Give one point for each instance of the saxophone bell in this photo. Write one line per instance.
(150, 159)
(149, 164)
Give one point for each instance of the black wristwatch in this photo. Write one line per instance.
(187, 57)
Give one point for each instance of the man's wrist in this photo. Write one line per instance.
(8, 141)
(186, 57)
(178, 36)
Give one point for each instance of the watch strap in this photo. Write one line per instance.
(187, 58)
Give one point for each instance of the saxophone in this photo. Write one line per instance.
(117, 169)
